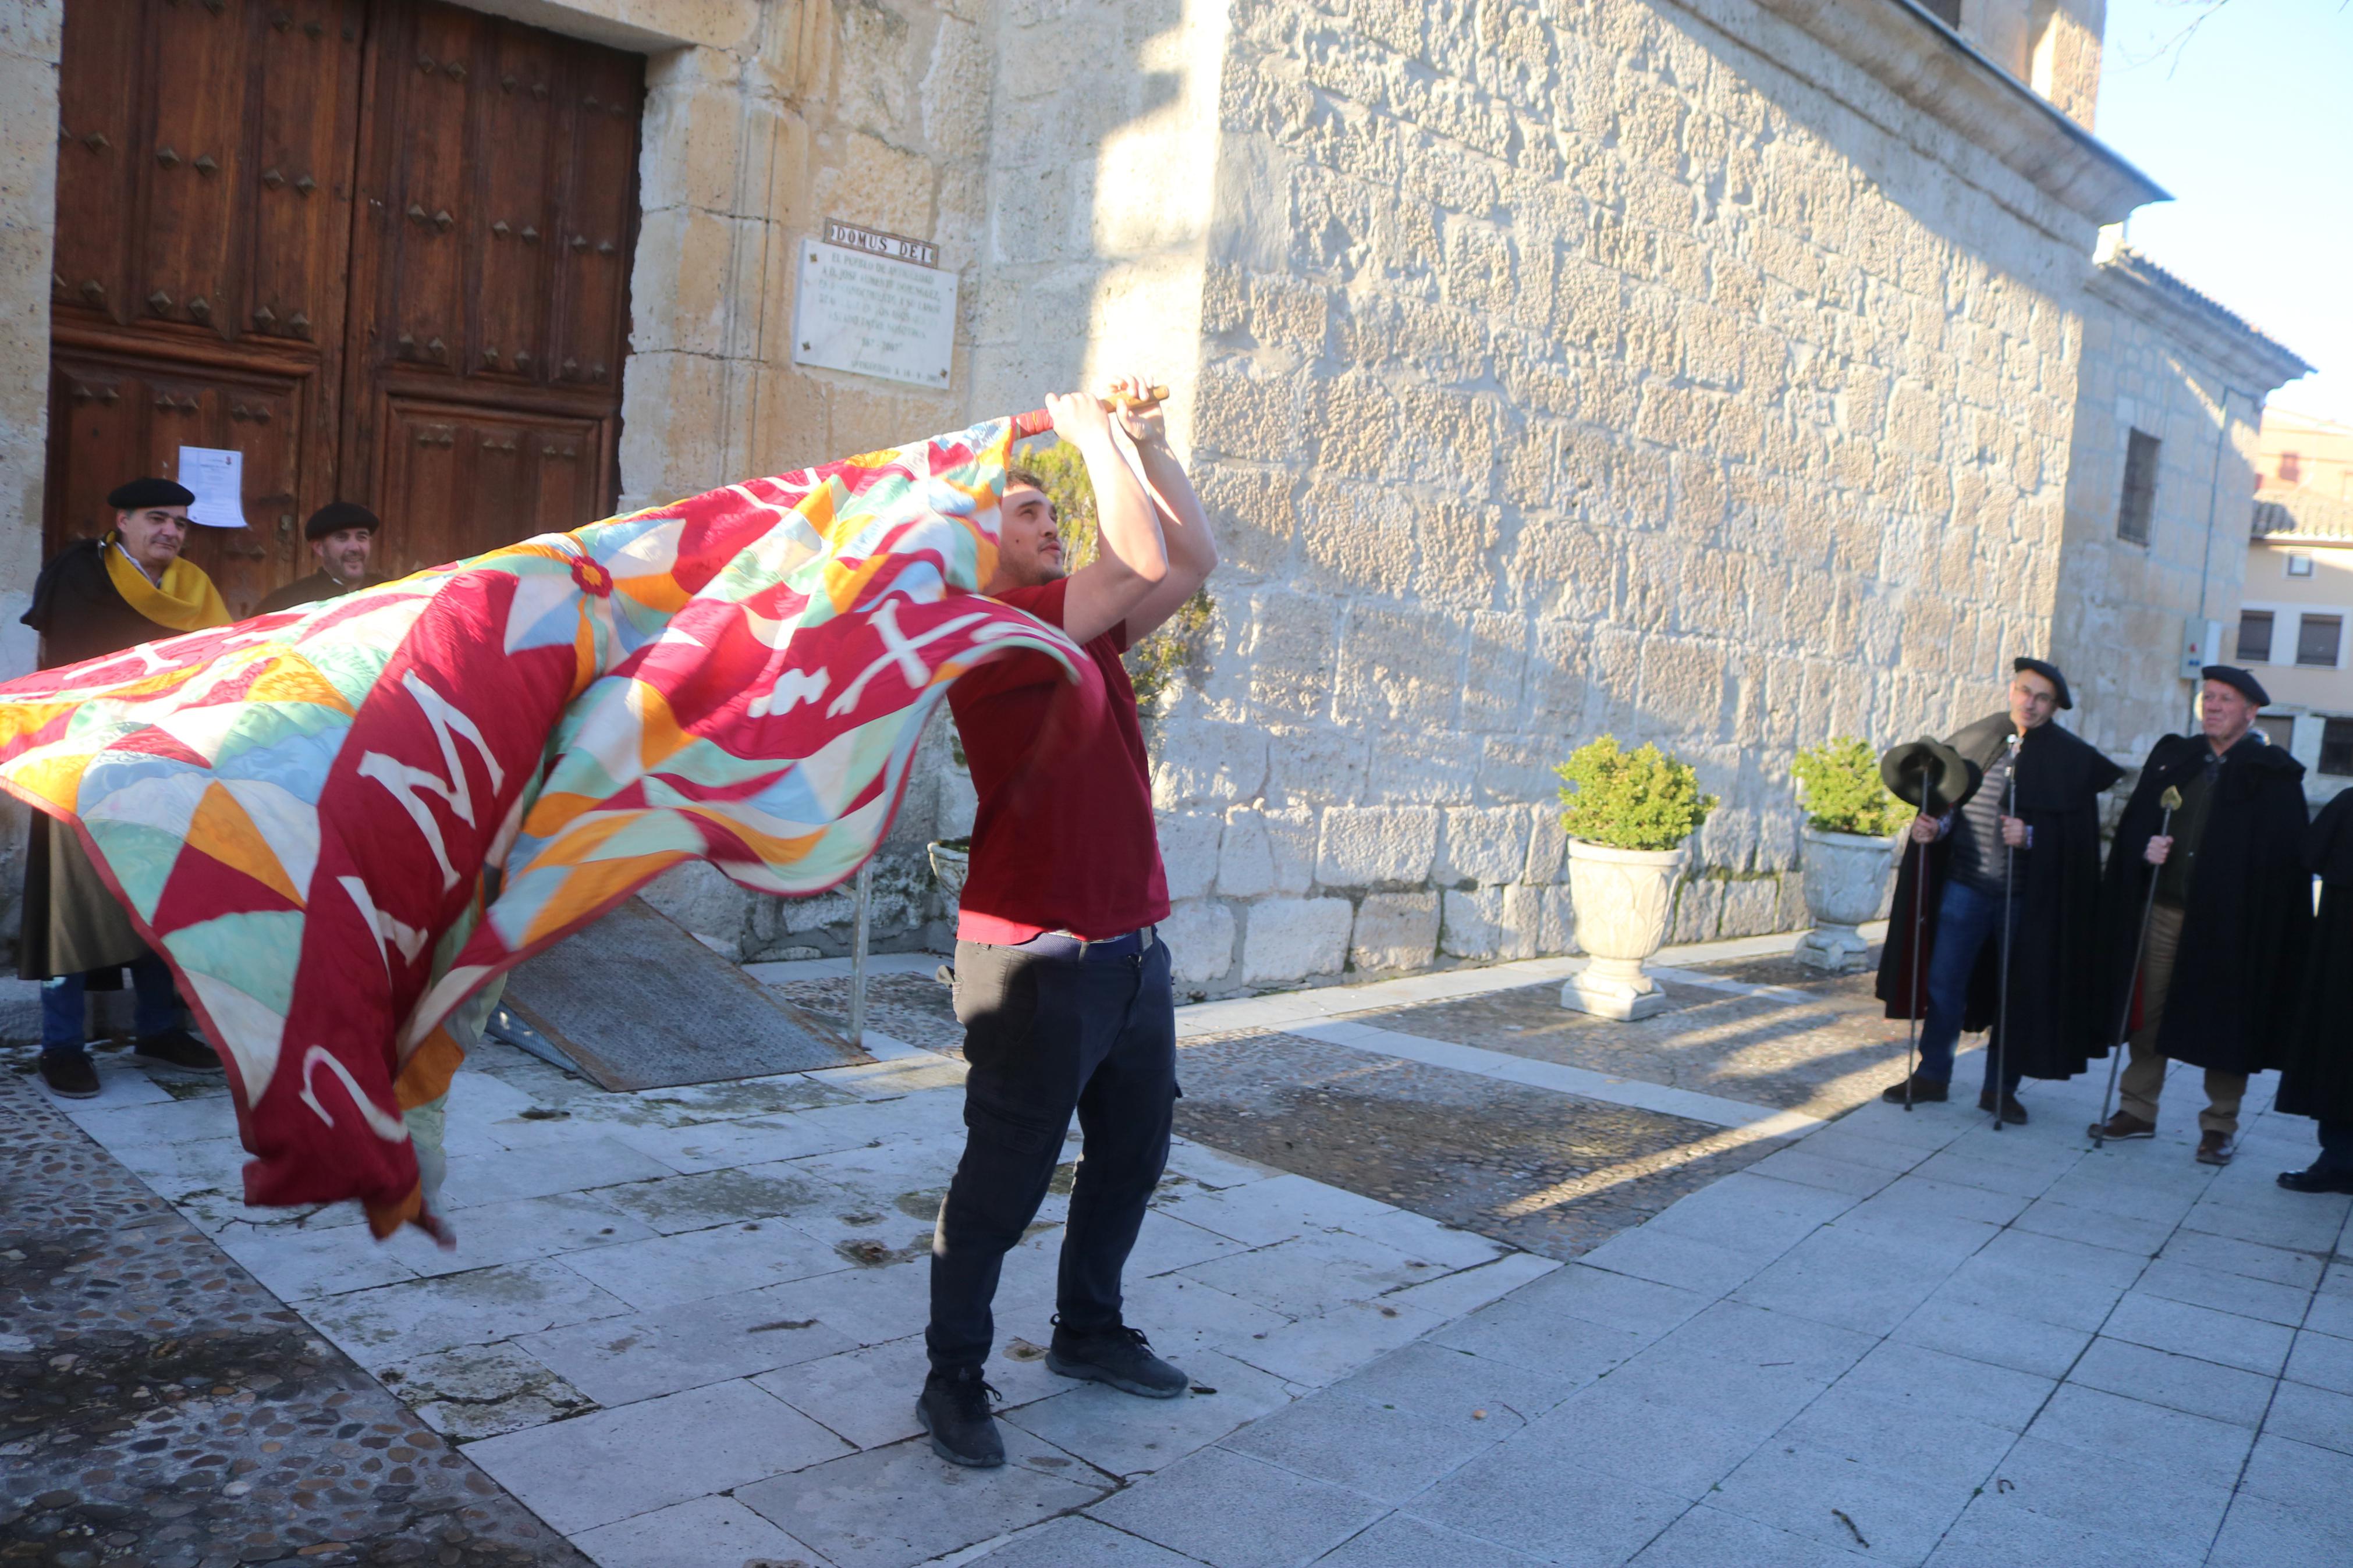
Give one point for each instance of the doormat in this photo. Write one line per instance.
(635, 1002)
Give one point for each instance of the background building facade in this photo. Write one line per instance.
(1712, 374)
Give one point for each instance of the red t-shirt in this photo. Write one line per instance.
(1063, 839)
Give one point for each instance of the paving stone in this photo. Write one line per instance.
(704, 1533)
(2315, 1415)
(2001, 1339)
(2313, 1229)
(1848, 1281)
(619, 1361)
(1121, 1435)
(2324, 1361)
(517, 1231)
(1841, 1502)
(1233, 1512)
(867, 1397)
(499, 1175)
(2093, 1227)
(1752, 1336)
(1526, 1334)
(666, 1270)
(1710, 1268)
(2225, 1292)
(1075, 1541)
(2193, 1446)
(395, 1322)
(1309, 1275)
(900, 1505)
(613, 1464)
(298, 1265)
(2112, 1495)
(2231, 1256)
(2297, 1474)
(1383, 1451)
(1711, 1537)
(1448, 1384)
(1520, 1494)
(1898, 1435)
(2243, 1343)
(2066, 1300)
(2176, 1381)
(1676, 1424)
(1315, 1350)
(2260, 1533)
(1917, 1377)
(1401, 1540)
(1996, 1533)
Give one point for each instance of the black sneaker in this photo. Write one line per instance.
(1925, 1091)
(1121, 1357)
(178, 1048)
(954, 1411)
(2011, 1112)
(68, 1074)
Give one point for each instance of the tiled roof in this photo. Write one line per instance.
(2300, 515)
(2124, 258)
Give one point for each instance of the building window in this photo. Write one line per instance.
(2317, 637)
(2336, 747)
(2299, 564)
(2140, 488)
(2279, 728)
(2291, 468)
(2254, 637)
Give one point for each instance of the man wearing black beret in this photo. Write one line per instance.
(2232, 911)
(100, 596)
(343, 536)
(2021, 849)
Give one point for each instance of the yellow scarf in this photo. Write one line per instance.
(187, 602)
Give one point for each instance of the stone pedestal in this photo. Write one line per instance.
(949, 865)
(1621, 900)
(1848, 878)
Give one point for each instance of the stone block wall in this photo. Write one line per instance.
(2162, 360)
(1610, 367)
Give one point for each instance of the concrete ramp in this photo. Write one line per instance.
(635, 1002)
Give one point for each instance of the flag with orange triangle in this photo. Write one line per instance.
(338, 823)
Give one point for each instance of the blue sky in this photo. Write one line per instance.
(2249, 123)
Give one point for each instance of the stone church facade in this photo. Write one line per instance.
(1731, 375)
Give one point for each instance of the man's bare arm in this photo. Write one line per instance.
(1191, 546)
(1133, 559)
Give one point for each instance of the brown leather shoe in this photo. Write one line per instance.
(2123, 1124)
(2216, 1148)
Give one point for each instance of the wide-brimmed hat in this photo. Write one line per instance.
(1926, 773)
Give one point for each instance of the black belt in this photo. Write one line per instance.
(1064, 945)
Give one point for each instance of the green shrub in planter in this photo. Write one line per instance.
(1641, 799)
(1843, 791)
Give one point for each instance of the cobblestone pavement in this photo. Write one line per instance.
(160, 1408)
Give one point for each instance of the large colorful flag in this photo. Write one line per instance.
(336, 824)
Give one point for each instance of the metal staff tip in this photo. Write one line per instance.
(2170, 799)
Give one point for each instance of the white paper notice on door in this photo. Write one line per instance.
(217, 477)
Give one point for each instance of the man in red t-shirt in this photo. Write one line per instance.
(1060, 984)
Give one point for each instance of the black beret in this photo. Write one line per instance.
(338, 514)
(2048, 672)
(2231, 674)
(141, 494)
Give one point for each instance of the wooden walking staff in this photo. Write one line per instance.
(2169, 800)
(2009, 903)
(1037, 422)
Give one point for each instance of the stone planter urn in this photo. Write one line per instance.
(1621, 900)
(950, 863)
(1848, 878)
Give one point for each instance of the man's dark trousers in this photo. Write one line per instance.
(1966, 919)
(1045, 1035)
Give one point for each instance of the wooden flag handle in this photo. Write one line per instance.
(1037, 422)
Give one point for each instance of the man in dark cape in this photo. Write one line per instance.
(2044, 842)
(2229, 920)
(100, 596)
(2317, 1078)
(342, 540)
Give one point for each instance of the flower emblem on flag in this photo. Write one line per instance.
(592, 576)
